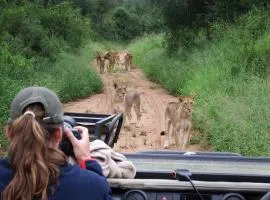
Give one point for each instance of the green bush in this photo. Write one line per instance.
(130, 19)
(249, 34)
(70, 77)
(122, 25)
(41, 45)
(62, 20)
(230, 78)
(34, 31)
(23, 32)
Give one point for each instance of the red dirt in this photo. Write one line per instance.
(134, 137)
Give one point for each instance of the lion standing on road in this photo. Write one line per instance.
(100, 61)
(128, 61)
(111, 57)
(124, 100)
(178, 118)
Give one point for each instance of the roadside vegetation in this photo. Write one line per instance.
(44, 47)
(218, 50)
(69, 76)
(229, 76)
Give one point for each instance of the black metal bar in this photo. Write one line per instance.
(117, 120)
(205, 176)
(192, 153)
(87, 115)
(119, 125)
(199, 157)
(98, 123)
(88, 118)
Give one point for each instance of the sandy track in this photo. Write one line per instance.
(134, 137)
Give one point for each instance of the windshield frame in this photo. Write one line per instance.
(204, 166)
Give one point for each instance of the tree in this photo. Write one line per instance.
(192, 15)
(180, 16)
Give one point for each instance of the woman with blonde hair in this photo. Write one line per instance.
(35, 167)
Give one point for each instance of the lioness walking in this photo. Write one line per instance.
(98, 57)
(100, 61)
(178, 118)
(128, 61)
(111, 57)
(124, 100)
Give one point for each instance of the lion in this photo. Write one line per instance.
(117, 58)
(98, 56)
(128, 61)
(102, 65)
(100, 61)
(121, 81)
(178, 118)
(111, 57)
(124, 100)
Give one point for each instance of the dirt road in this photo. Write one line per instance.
(134, 137)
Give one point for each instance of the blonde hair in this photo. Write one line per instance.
(36, 165)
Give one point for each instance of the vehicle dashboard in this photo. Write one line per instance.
(216, 176)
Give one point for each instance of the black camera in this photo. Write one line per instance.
(65, 145)
(104, 127)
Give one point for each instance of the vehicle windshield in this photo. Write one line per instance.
(204, 163)
(234, 166)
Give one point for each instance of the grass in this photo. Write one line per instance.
(71, 77)
(230, 78)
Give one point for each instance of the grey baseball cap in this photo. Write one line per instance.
(52, 105)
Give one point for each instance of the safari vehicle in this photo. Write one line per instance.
(180, 175)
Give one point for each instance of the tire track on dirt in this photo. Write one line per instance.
(92, 104)
(155, 103)
(103, 107)
(107, 107)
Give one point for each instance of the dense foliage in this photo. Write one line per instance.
(230, 77)
(122, 20)
(33, 40)
(185, 18)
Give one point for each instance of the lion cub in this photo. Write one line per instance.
(124, 100)
(178, 118)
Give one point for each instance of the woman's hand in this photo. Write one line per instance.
(81, 147)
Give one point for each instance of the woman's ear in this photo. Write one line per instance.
(58, 134)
